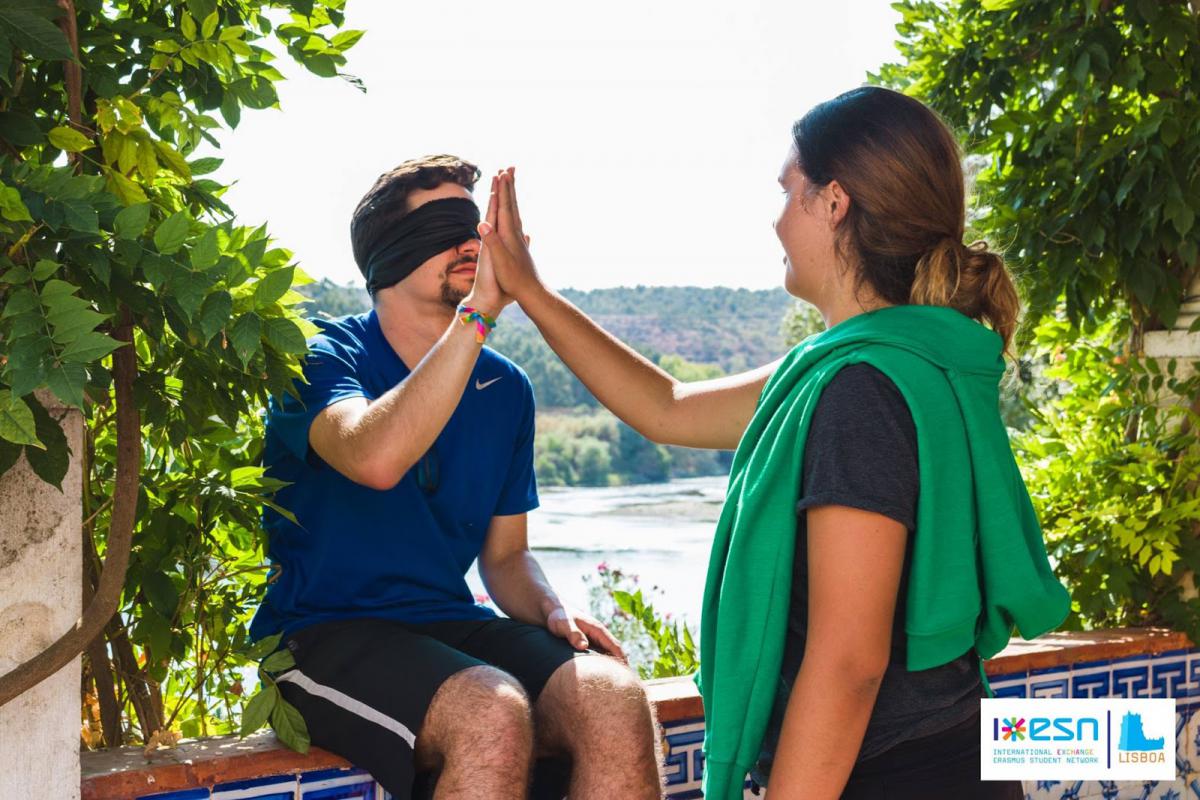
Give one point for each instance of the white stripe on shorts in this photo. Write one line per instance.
(350, 704)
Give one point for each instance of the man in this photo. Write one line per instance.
(408, 456)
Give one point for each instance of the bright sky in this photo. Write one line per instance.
(647, 136)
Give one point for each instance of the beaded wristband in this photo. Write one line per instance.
(483, 323)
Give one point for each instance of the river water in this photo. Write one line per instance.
(660, 532)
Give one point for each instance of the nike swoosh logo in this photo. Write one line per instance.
(479, 385)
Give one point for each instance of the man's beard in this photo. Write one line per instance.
(452, 296)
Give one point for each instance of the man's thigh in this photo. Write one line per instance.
(363, 687)
(529, 653)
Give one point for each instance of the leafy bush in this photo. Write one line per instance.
(1112, 468)
(657, 646)
(130, 292)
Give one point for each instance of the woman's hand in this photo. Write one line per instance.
(486, 295)
(504, 241)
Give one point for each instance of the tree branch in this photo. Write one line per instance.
(120, 532)
(72, 71)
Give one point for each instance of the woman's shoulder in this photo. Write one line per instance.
(857, 388)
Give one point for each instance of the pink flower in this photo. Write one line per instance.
(602, 567)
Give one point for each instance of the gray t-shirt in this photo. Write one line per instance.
(861, 452)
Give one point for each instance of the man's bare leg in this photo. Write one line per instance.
(478, 735)
(596, 710)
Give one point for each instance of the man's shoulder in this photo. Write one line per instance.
(348, 330)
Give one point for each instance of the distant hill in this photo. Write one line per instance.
(734, 329)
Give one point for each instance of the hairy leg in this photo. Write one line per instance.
(478, 736)
(596, 710)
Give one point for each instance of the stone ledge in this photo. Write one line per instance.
(128, 772)
(1073, 647)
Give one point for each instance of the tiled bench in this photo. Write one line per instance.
(1119, 663)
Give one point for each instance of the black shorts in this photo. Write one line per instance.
(363, 687)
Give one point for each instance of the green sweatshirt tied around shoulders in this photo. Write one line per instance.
(979, 564)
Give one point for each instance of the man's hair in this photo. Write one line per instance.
(386, 203)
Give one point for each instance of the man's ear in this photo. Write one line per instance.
(837, 203)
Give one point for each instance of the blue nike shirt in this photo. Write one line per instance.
(402, 553)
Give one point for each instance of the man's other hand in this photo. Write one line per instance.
(581, 630)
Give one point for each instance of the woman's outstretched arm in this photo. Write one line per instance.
(709, 414)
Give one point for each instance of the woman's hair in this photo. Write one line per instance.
(901, 166)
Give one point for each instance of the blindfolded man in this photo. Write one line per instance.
(409, 454)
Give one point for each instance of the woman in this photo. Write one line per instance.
(876, 538)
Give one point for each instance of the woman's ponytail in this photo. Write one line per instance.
(971, 279)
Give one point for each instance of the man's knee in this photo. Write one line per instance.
(482, 713)
(597, 692)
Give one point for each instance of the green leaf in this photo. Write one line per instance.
(67, 382)
(71, 323)
(69, 139)
(188, 289)
(16, 420)
(17, 128)
(131, 221)
(244, 336)
(80, 216)
(215, 312)
(272, 287)
(57, 288)
(172, 233)
(33, 34)
(289, 726)
(43, 269)
(259, 708)
(153, 630)
(278, 661)
(124, 188)
(203, 166)
(16, 275)
(284, 335)
(206, 254)
(50, 462)
(209, 26)
(89, 347)
(173, 159)
(161, 593)
(321, 64)
(188, 26)
(19, 302)
(12, 208)
(264, 647)
(344, 40)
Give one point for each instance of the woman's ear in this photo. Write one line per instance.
(837, 203)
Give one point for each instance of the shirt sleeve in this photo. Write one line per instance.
(861, 449)
(330, 376)
(520, 486)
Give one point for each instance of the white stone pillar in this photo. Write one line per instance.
(1184, 347)
(1177, 343)
(41, 591)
